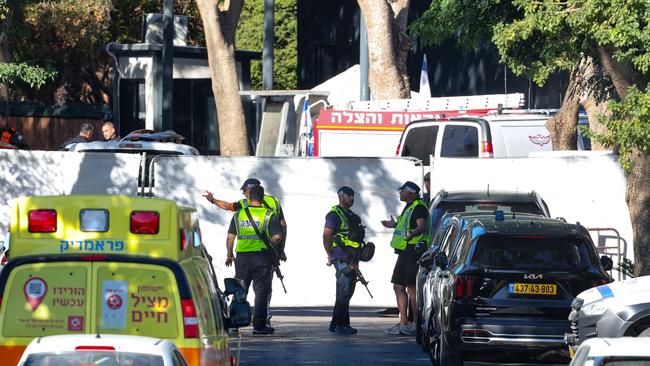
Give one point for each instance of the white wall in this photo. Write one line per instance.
(588, 187)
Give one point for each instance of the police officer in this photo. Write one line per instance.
(343, 254)
(270, 202)
(252, 263)
(409, 230)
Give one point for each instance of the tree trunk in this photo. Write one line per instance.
(219, 24)
(638, 203)
(596, 93)
(562, 126)
(402, 41)
(637, 193)
(622, 74)
(384, 76)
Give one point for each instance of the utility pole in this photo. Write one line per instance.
(165, 122)
(364, 92)
(269, 41)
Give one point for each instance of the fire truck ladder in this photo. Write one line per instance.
(514, 100)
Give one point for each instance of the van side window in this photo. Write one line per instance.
(459, 141)
(421, 142)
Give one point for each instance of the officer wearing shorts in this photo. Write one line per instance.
(409, 230)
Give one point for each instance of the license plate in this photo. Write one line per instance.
(533, 289)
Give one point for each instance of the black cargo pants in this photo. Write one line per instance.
(256, 267)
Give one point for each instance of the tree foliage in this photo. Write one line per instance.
(250, 34)
(628, 127)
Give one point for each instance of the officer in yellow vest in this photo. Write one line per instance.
(252, 263)
(409, 230)
(343, 253)
(270, 202)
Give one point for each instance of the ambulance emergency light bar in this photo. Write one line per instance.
(93, 220)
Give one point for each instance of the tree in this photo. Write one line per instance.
(220, 23)
(603, 43)
(388, 46)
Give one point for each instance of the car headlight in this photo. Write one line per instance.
(595, 308)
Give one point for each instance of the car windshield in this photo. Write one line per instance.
(531, 253)
(88, 358)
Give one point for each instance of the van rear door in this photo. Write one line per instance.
(43, 299)
(518, 138)
(136, 298)
(419, 140)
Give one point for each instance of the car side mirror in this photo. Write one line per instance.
(441, 260)
(426, 260)
(607, 263)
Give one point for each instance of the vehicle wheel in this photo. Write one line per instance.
(434, 348)
(447, 359)
(645, 333)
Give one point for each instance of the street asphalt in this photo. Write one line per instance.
(302, 337)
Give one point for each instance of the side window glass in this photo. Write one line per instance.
(455, 256)
(449, 237)
(459, 141)
(420, 143)
(196, 233)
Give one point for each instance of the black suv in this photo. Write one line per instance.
(445, 202)
(505, 289)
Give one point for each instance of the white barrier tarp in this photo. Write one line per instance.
(585, 187)
(307, 190)
(28, 173)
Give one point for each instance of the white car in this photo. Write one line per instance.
(624, 351)
(101, 349)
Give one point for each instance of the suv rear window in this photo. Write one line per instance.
(531, 253)
(453, 207)
(459, 141)
(93, 358)
(420, 143)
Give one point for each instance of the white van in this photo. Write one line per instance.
(508, 135)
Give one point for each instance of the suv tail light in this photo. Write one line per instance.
(190, 321)
(42, 221)
(145, 222)
(486, 150)
(464, 287)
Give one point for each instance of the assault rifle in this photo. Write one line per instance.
(271, 250)
(363, 281)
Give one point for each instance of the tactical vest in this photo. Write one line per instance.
(342, 233)
(269, 202)
(247, 239)
(403, 225)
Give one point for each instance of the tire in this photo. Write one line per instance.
(645, 333)
(434, 348)
(447, 359)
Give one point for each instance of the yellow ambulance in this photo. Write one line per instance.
(110, 265)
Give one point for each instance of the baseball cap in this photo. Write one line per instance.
(250, 182)
(410, 186)
(345, 190)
